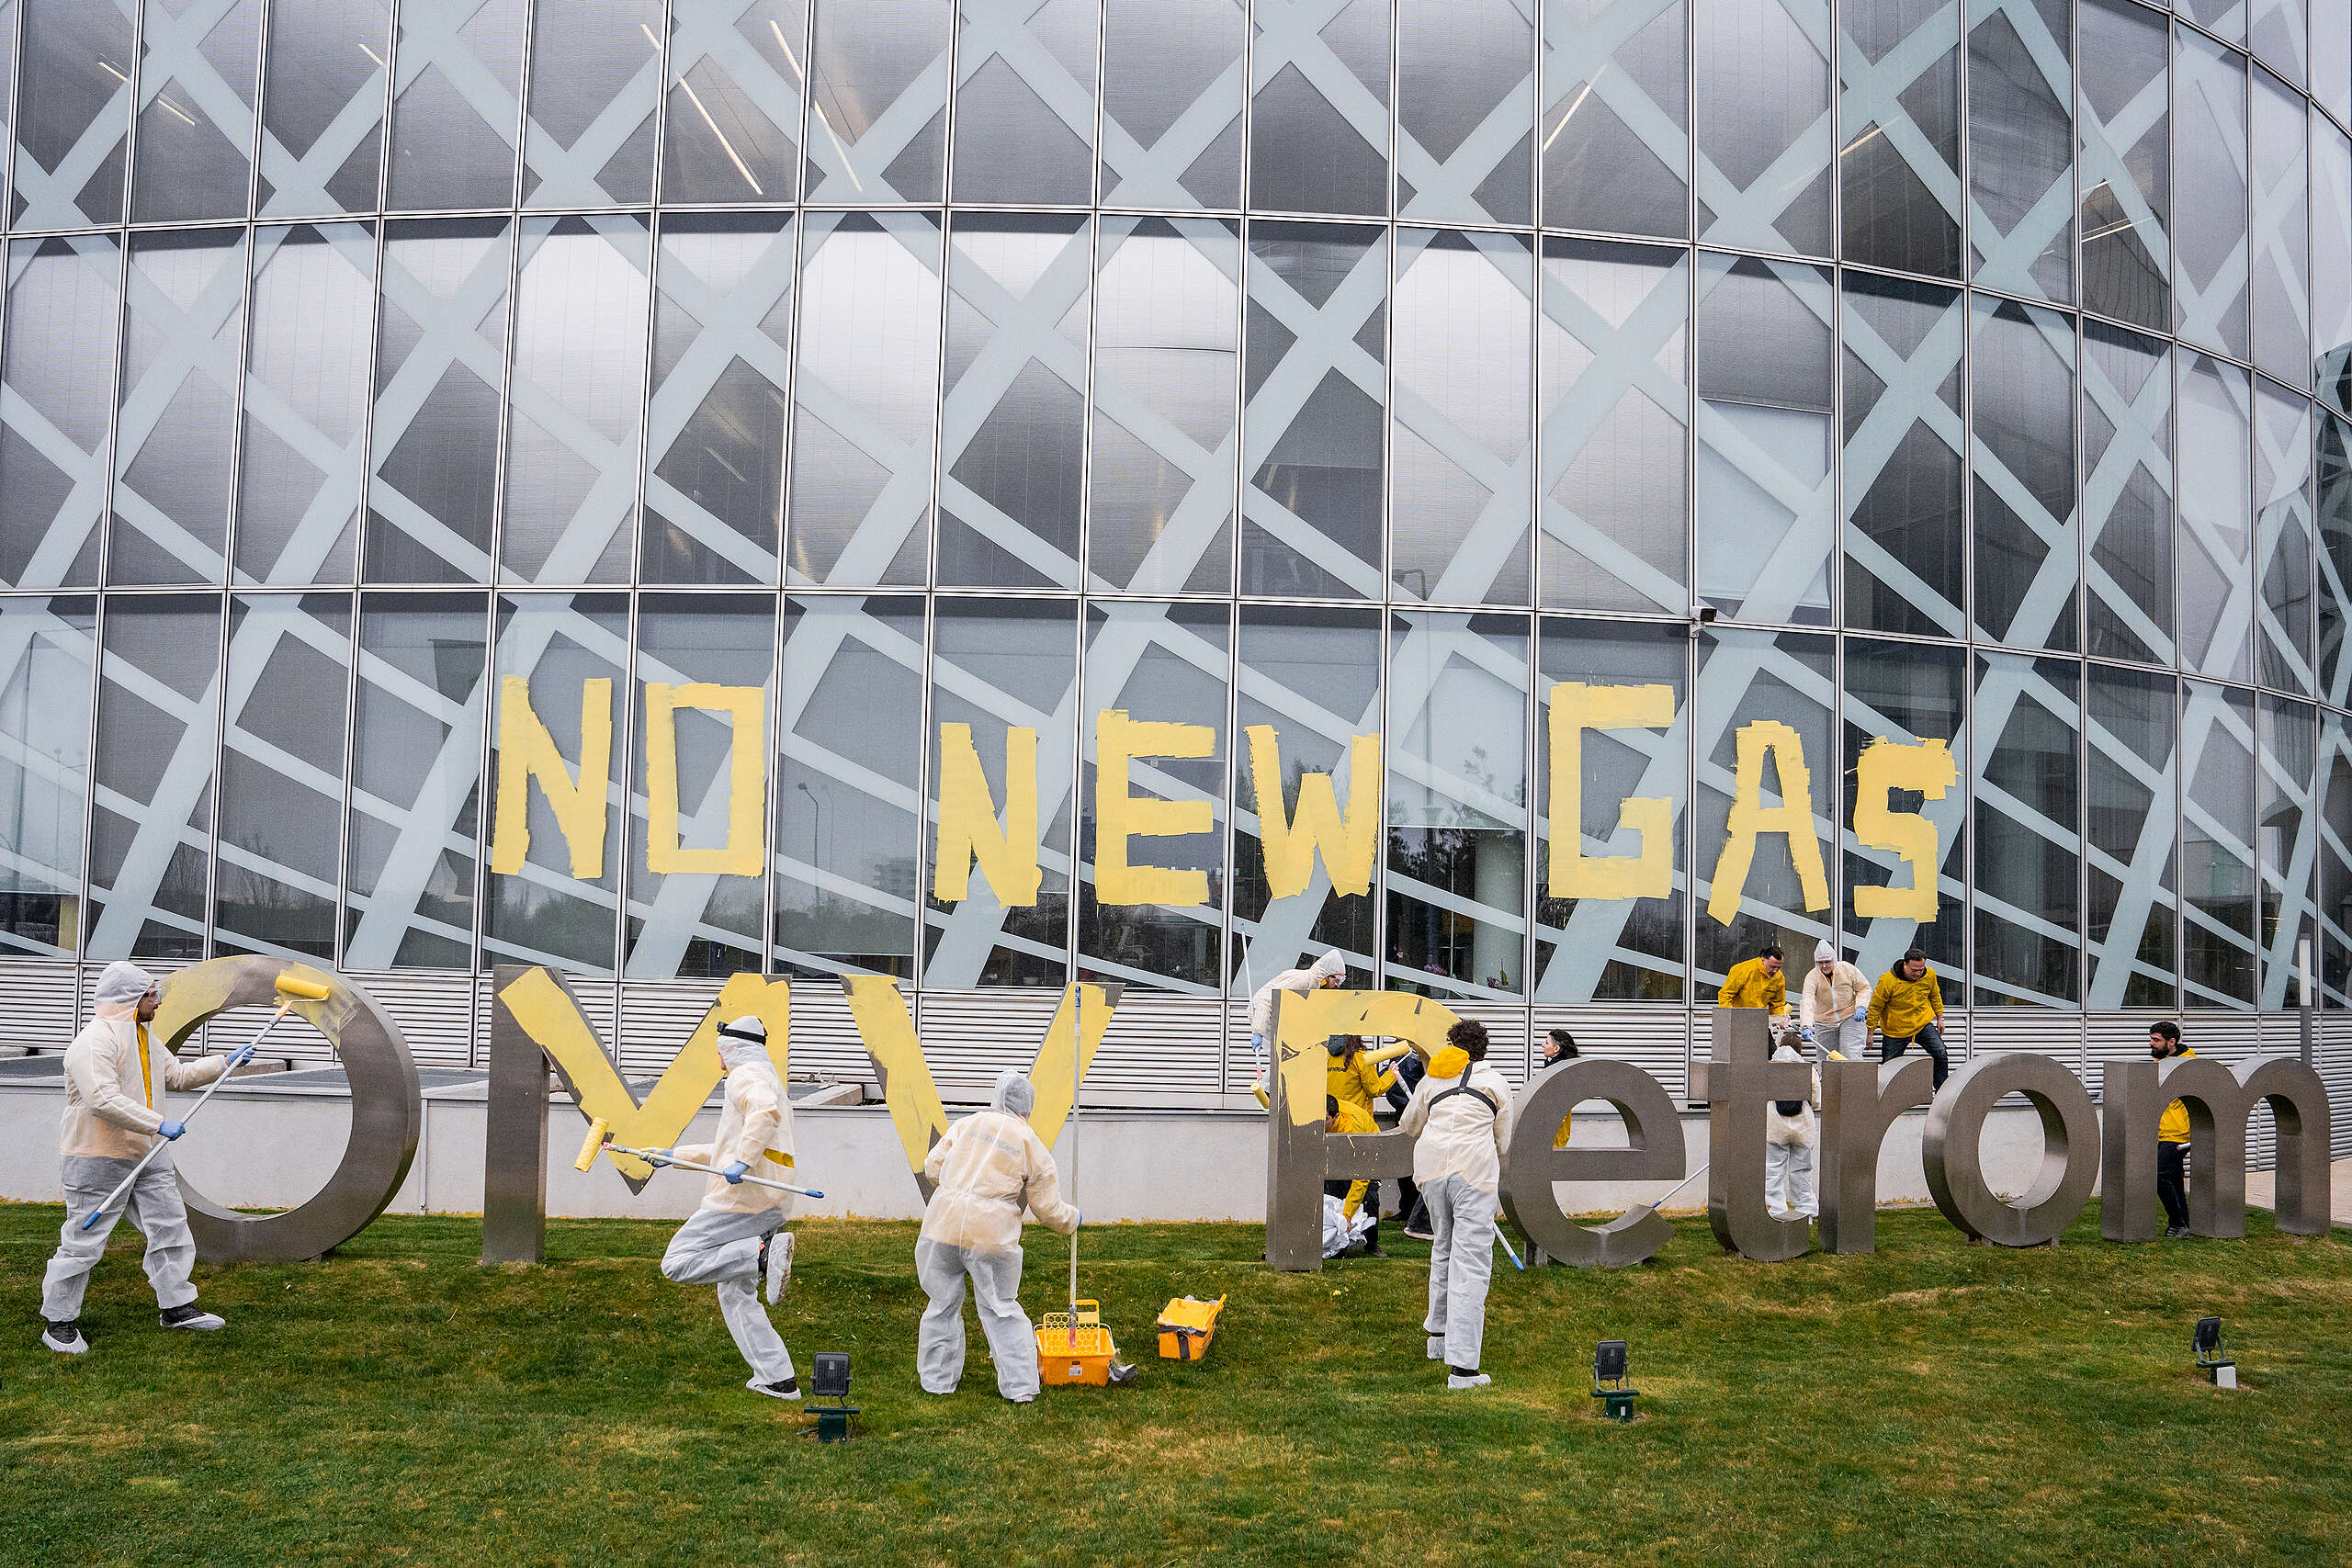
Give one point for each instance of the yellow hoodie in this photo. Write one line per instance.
(2174, 1126)
(1901, 1008)
(1748, 986)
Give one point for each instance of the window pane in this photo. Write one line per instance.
(322, 107)
(732, 132)
(196, 68)
(849, 787)
(1898, 68)
(460, 75)
(2286, 830)
(2332, 948)
(866, 398)
(557, 643)
(2330, 248)
(73, 115)
(880, 103)
(997, 667)
(2282, 532)
(415, 769)
(2131, 777)
(2224, 18)
(440, 354)
(1616, 117)
(1311, 429)
(1766, 513)
(700, 923)
(1604, 950)
(2127, 494)
(1314, 676)
(1173, 88)
(2209, 155)
(1466, 111)
(302, 465)
(2281, 287)
(2027, 786)
(2021, 145)
(1024, 102)
(1456, 861)
(2217, 845)
(2216, 520)
(1907, 694)
(177, 427)
(2332, 491)
(1464, 306)
(1319, 107)
(2024, 482)
(63, 299)
(275, 884)
(1012, 429)
(1905, 537)
(576, 400)
(1167, 339)
(1614, 427)
(2275, 31)
(1762, 90)
(44, 770)
(1753, 677)
(2127, 164)
(2331, 37)
(1158, 664)
(722, 334)
(595, 86)
(151, 826)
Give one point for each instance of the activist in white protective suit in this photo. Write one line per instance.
(1460, 1117)
(987, 1167)
(1325, 973)
(114, 1080)
(736, 1238)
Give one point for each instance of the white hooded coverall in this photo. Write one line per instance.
(1457, 1163)
(114, 1080)
(719, 1244)
(1331, 966)
(984, 1170)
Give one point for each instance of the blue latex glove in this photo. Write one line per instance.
(734, 1173)
(245, 1054)
(659, 1157)
(171, 1129)
(1080, 1221)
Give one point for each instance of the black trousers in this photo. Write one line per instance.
(1931, 1041)
(2172, 1182)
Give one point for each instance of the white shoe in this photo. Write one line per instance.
(779, 1251)
(1437, 1347)
(65, 1338)
(1457, 1383)
(788, 1389)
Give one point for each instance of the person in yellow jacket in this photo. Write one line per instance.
(1756, 983)
(1356, 1076)
(1342, 1119)
(736, 1236)
(2171, 1138)
(1559, 1046)
(1907, 1004)
(114, 1080)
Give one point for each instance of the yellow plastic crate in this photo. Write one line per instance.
(1186, 1325)
(1083, 1356)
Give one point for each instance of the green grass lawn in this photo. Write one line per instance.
(1935, 1403)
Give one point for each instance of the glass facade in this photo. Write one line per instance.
(382, 383)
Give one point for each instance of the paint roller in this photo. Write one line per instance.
(599, 1141)
(291, 988)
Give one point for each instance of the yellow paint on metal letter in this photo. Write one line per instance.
(549, 1017)
(1750, 818)
(1886, 765)
(745, 851)
(1050, 1073)
(969, 829)
(1576, 708)
(1120, 815)
(526, 750)
(1346, 842)
(1303, 1023)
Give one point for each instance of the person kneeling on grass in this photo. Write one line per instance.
(1460, 1118)
(984, 1168)
(736, 1238)
(1349, 1226)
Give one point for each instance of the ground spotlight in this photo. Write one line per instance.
(2212, 1356)
(1609, 1382)
(830, 1380)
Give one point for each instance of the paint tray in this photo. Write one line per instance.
(1081, 1353)
(1186, 1325)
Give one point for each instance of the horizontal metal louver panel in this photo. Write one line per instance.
(1159, 1049)
(43, 1012)
(1657, 1039)
(825, 1042)
(2043, 1030)
(970, 1036)
(434, 1012)
(657, 1019)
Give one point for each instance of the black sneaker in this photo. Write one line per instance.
(190, 1315)
(65, 1338)
(2174, 1233)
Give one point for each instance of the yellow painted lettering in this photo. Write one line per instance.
(1291, 844)
(1576, 708)
(1120, 815)
(526, 750)
(745, 851)
(969, 829)
(1750, 818)
(1886, 765)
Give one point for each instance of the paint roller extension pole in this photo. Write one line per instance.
(599, 1140)
(292, 989)
(1077, 1050)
